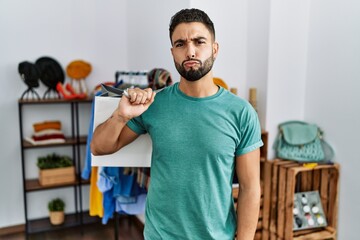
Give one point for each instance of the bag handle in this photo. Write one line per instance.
(292, 121)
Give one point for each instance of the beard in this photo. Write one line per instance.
(193, 75)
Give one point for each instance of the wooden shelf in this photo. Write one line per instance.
(327, 233)
(68, 141)
(71, 220)
(285, 178)
(34, 185)
(53, 101)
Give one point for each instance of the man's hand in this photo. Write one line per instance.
(138, 102)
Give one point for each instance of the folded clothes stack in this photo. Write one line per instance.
(47, 132)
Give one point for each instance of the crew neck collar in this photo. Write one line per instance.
(178, 91)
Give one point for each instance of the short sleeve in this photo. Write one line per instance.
(250, 132)
(136, 124)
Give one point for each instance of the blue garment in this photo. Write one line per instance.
(134, 208)
(85, 174)
(117, 188)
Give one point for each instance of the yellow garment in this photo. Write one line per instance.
(96, 197)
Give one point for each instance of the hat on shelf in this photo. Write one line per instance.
(78, 69)
(51, 72)
(29, 73)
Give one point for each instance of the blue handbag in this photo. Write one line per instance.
(303, 142)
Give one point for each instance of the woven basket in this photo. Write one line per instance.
(57, 217)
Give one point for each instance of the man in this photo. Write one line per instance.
(197, 130)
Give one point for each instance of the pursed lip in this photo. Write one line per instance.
(191, 63)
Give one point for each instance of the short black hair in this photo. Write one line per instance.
(191, 15)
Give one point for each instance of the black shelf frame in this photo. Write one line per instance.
(79, 217)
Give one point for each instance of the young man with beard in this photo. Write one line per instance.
(199, 131)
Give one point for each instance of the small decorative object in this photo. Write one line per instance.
(51, 73)
(252, 98)
(55, 169)
(56, 209)
(233, 90)
(78, 70)
(30, 74)
(308, 212)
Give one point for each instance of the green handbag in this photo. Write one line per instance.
(303, 142)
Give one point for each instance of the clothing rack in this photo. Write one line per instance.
(138, 78)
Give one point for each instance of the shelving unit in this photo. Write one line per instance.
(30, 185)
(285, 178)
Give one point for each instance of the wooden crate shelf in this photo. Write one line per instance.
(285, 178)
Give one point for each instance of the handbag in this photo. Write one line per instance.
(303, 142)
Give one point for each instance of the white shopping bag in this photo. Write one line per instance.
(136, 154)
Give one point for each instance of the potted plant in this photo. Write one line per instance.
(55, 169)
(56, 211)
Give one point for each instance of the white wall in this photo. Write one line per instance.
(65, 30)
(333, 95)
(288, 33)
(257, 49)
(148, 34)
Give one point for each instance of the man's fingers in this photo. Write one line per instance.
(140, 96)
(151, 100)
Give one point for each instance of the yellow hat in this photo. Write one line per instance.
(78, 69)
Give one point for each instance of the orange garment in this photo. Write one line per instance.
(47, 125)
(96, 197)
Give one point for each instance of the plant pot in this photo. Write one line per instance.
(57, 217)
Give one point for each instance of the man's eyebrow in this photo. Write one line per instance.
(192, 39)
(179, 41)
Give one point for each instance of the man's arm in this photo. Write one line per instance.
(248, 173)
(113, 134)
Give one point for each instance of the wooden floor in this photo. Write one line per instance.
(128, 230)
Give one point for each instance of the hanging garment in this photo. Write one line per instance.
(95, 196)
(117, 187)
(135, 208)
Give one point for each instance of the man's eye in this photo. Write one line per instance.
(179, 45)
(201, 42)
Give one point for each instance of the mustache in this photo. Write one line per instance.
(191, 60)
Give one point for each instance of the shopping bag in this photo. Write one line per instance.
(136, 154)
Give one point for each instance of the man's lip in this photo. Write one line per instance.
(190, 63)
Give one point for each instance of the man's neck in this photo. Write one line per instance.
(203, 87)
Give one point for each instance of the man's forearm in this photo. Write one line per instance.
(105, 138)
(248, 213)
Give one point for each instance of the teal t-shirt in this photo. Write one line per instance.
(194, 143)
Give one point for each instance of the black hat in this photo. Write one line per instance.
(29, 73)
(51, 72)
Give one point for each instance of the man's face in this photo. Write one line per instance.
(194, 50)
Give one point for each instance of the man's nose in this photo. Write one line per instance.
(190, 53)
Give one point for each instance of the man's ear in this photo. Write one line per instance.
(215, 49)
